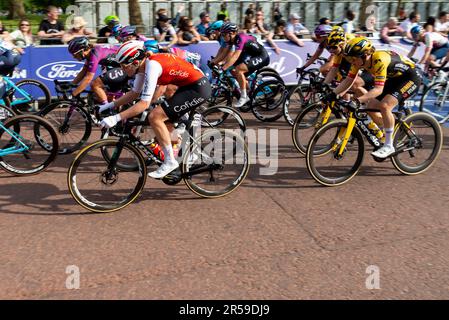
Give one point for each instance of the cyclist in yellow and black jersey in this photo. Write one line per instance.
(395, 80)
(336, 42)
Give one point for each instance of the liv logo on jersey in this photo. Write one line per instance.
(66, 70)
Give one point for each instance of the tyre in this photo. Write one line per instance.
(36, 135)
(435, 98)
(223, 118)
(330, 168)
(423, 143)
(74, 128)
(267, 101)
(299, 97)
(101, 187)
(6, 112)
(216, 163)
(306, 124)
(38, 94)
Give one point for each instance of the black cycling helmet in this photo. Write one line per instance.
(229, 27)
(78, 44)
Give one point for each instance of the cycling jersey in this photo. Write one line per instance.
(384, 65)
(96, 54)
(247, 44)
(434, 40)
(165, 69)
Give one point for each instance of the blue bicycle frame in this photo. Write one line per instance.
(11, 85)
(17, 148)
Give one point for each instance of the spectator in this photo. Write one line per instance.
(187, 33)
(348, 23)
(106, 32)
(204, 24)
(279, 30)
(223, 11)
(164, 31)
(3, 33)
(249, 25)
(406, 25)
(295, 29)
(264, 30)
(162, 12)
(250, 12)
(325, 20)
(391, 29)
(78, 30)
(429, 26)
(51, 30)
(22, 37)
(442, 24)
(277, 15)
(402, 14)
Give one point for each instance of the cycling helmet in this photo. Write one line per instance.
(216, 26)
(323, 30)
(338, 28)
(111, 19)
(130, 51)
(336, 37)
(358, 47)
(229, 27)
(127, 31)
(77, 44)
(116, 30)
(151, 45)
(416, 31)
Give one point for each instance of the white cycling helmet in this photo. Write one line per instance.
(131, 51)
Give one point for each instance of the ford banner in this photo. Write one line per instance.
(47, 63)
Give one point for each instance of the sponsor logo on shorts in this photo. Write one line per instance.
(407, 86)
(179, 73)
(189, 104)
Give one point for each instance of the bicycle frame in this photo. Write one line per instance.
(15, 149)
(11, 85)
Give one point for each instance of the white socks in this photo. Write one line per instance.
(389, 136)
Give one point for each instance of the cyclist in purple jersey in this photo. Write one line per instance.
(248, 57)
(81, 49)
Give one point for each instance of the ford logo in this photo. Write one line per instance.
(59, 70)
(285, 63)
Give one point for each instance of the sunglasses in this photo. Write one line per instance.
(24, 25)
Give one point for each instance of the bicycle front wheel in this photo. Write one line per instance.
(30, 96)
(332, 168)
(72, 123)
(216, 163)
(267, 100)
(35, 142)
(100, 186)
(419, 145)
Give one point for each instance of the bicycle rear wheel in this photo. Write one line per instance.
(36, 92)
(223, 118)
(421, 144)
(330, 168)
(73, 131)
(6, 113)
(216, 163)
(299, 98)
(37, 135)
(435, 100)
(99, 186)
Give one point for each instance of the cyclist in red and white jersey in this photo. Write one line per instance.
(159, 70)
(437, 46)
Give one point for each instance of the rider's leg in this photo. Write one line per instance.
(376, 116)
(98, 88)
(240, 71)
(386, 106)
(157, 120)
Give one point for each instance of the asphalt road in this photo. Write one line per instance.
(277, 237)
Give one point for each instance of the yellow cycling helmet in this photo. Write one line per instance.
(336, 37)
(338, 28)
(358, 47)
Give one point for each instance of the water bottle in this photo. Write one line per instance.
(157, 150)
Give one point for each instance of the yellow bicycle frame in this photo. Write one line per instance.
(347, 133)
(325, 115)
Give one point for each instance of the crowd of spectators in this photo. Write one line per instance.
(181, 30)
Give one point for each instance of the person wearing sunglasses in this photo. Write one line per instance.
(335, 44)
(151, 73)
(396, 79)
(187, 33)
(22, 37)
(203, 25)
(81, 49)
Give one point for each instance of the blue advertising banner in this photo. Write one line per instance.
(48, 63)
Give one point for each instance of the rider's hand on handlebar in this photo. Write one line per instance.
(330, 97)
(111, 121)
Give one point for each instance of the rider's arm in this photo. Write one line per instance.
(380, 76)
(347, 83)
(315, 56)
(87, 79)
(373, 93)
(412, 52)
(234, 57)
(336, 61)
(426, 55)
(181, 41)
(272, 43)
(153, 70)
(80, 75)
(221, 55)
